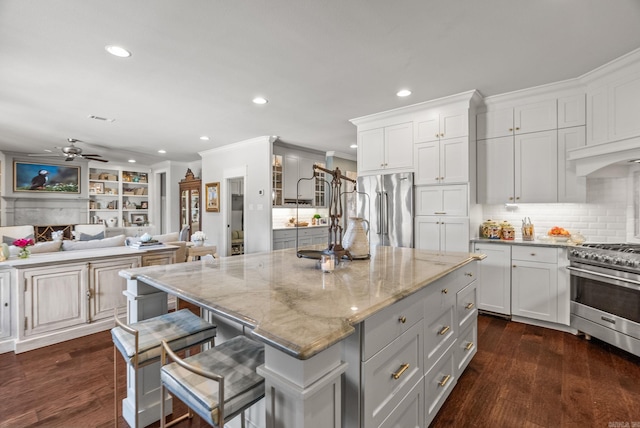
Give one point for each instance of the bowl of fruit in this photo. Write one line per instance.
(559, 234)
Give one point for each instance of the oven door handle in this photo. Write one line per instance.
(631, 283)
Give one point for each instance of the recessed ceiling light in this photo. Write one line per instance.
(260, 100)
(118, 51)
(354, 146)
(162, 151)
(132, 161)
(403, 93)
(204, 138)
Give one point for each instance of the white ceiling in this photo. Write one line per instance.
(197, 64)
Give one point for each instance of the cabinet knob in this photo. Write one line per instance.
(442, 135)
(517, 198)
(511, 198)
(441, 178)
(436, 135)
(533, 254)
(6, 304)
(514, 266)
(386, 164)
(517, 128)
(444, 330)
(468, 274)
(510, 129)
(402, 319)
(445, 291)
(403, 368)
(437, 178)
(444, 380)
(469, 346)
(469, 306)
(381, 165)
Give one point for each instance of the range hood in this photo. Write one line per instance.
(607, 159)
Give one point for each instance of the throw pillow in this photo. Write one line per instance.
(9, 240)
(115, 241)
(87, 237)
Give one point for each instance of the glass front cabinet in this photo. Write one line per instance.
(190, 192)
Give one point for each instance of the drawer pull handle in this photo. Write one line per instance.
(469, 346)
(402, 319)
(445, 291)
(468, 274)
(444, 330)
(469, 306)
(403, 368)
(444, 380)
(533, 254)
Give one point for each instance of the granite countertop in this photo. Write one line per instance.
(549, 242)
(289, 303)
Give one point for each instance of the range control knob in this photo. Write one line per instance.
(606, 259)
(618, 261)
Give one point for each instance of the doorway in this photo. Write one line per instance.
(235, 216)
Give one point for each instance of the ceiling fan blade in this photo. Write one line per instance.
(95, 159)
(43, 155)
(84, 156)
(69, 159)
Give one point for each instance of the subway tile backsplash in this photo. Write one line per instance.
(603, 218)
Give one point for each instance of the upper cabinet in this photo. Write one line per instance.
(613, 110)
(385, 149)
(436, 125)
(294, 179)
(534, 117)
(518, 169)
(190, 202)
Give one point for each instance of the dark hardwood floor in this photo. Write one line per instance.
(522, 376)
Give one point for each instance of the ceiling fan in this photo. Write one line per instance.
(72, 152)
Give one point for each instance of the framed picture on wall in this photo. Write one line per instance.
(97, 188)
(212, 193)
(38, 177)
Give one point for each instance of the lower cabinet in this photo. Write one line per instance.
(494, 288)
(404, 360)
(5, 305)
(524, 280)
(534, 283)
(55, 298)
(106, 287)
(286, 238)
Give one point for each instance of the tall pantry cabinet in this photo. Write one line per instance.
(436, 141)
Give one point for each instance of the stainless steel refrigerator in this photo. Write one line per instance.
(387, 204)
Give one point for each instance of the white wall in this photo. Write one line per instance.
(175, 171)
(251, 158)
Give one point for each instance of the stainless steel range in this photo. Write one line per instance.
(605, 293)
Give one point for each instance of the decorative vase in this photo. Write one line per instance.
(355, 239)
(24, 253)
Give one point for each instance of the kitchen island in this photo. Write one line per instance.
(319, 328)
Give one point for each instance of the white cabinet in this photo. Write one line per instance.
(439, 125)
(5, 305)
(523, 119)
(106, 287)
(534, 283)
(518, 169)
(286, 238)
(613, 109)
(571, 188)
(442, 200)
(384, 149)
(442, 162)
(55, 298)
(494, 272)
(442, 233)
(295, 168)
(572, 111)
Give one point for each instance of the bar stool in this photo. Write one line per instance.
(218, 384)
(139, 343)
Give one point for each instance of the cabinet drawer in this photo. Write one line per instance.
(390, 375)
(284, 234)
(439, 334)
(382, 328)
(466, 346)
(466, 305)
(438, 383)
(410, 411)
(534, 254)
(442, 294)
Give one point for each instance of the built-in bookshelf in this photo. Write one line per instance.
(118, 197)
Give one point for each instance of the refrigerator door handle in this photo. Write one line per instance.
(386, 213)
(379, 209)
